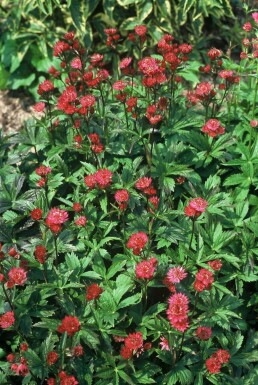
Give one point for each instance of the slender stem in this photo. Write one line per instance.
(126, 116)
(7, 296)
(191, 239)
(255, 96)
(181, 345)
(56, 251)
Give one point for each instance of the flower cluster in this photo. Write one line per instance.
(70, 325)
(203, 280)
(101, 179)
(177, 312)
(132, 344)
(215, 362)
(93, 292)
(56, 218)
(196, 207)
(213, 128)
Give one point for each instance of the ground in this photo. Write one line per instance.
(15, 108)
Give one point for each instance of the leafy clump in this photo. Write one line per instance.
(129, 219)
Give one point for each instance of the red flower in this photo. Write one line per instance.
(51, 381)
(212, 365)
(43, 170)
(122, 197)
(60, 47)
(213, 128)
(126, 353)
(17, 276)
(65, 379)
(40, 253)
(140, 30)
(171, 287)
(124, 63)
(77, 207)
(20, 369)
(77, 351)
(90, 181)
(103, 178)
(134, 341)
(215, 265)
(52, 357)
(39, 107)
(76, 63)
(81, 221)
(146, 269)
(10, 357)
(137, 242)
(143, 183)
(120, 85)
(36, 214)
(204, 333)
(177, 312)
(24, 347)
(56, 216)
(45, 86)
(222, 356)
(204, 280)
(93, 292)
(154, 203)
(69, 324)
(214, 53)
(7, 320)
(88, 101)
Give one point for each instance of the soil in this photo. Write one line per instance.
(15, 109)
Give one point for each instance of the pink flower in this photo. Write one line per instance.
(119, 85)
(143, 183)
(103, 178)
(56, 216)
(17, 276)
(134, 341)
(255, 16)
(140, 30)
(125, 62)
(195, 207)
(76, 63)
(176, 274)
(213, 127)
(164, 344)
(88, 101)
(216, 264)
(39, 107)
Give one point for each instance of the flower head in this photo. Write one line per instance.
(7, 320)
(176, 274)
(137, 242)
(203, 333)
(93, 292)
(69, 324)
(146, 269)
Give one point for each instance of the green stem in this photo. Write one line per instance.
(7, 296)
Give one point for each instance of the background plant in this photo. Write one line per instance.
(28, 28)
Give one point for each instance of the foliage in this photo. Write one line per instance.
(129, 220)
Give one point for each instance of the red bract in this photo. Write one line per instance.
(36, 214)
(122, 197)
(203, 333)
(60, 47)
(43, 170)
(69, 324)
(204, 280)
(52, 357)
(20, 369)
(81, 221)
(103, 178)
(88, 101)
(7, 320)
(134, 341)
(137, 242)
(214, 53)
(45, 86)
(56, 216)
(77, 207)
(93, 292)
(76, 63)
(212, 365)
(40, 253)
(77, 351)
(65, 379)
(39, 107)
(126, 353)
(146, 269)
(143, 183)
(216, 264)
(164, 345)
(213, 128)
